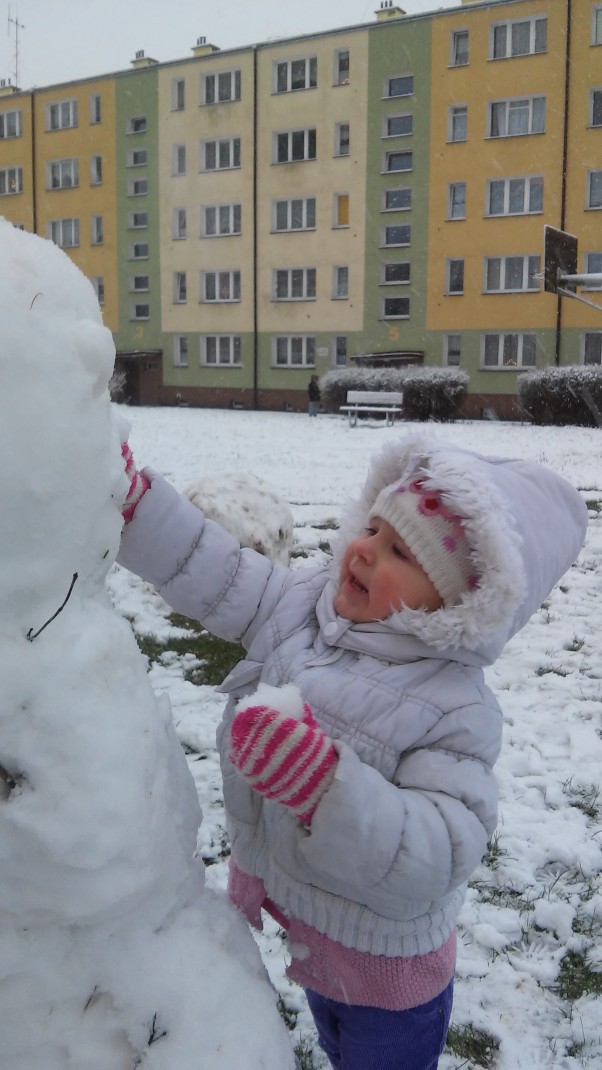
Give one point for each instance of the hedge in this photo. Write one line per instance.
(428, 393)
(569, 395)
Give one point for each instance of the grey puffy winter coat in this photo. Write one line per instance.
(407, 818)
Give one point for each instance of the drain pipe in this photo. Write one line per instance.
(565, 140)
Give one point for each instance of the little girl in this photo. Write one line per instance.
(360, 800)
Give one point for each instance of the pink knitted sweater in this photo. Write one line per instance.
(342, 973)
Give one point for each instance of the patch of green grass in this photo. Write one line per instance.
(468, 1042)
(217, 656)
(576, 978)
(585, 799)
(305, 1055)
(495, 852)
(595, 504)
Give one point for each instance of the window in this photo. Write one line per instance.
(138, 284)
(597, 24)
(594, 189)
(178, 94)
(219, 220)
(395, 308)
(394, 274)
(296, 214)
(138, 250)
(178, 223)
(222, 349)
(137, 220)
(454, 277)
(341, 210)
(341, 139)
(178, 156)
(95, 170)
(592, 345)
(593, 265)
(294, 145)
(397, 125)
(400, 85)
(137, 187)
(136, 124)
(222, 87)
(179, 287)
(10, 124)
(595, 107)
(64, 232)
(139, 312)
(340, 350)
(515, 196)
(62, 174)
(293, 284)
(456, 200)
(62, 115)
(512, 118)
(96, 230)
(508, 350)
(180, 351)
(340, 283)
(457, 120)
(137, 158)
(458, 48)
(11, 181)
(220, 286)
(511, 273)
(452, 350)
(98, 283)
(396, 235)
(342, 66)
(293, 74)
(95, 109)
(519, 37)
(220, 155)
(395, 200)
(398, 161)
(293, 350)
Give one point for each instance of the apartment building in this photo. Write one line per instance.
(374, 194)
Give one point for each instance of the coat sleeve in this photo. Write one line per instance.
(419, 837)
(197, 566)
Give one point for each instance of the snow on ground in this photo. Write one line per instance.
(532, 921)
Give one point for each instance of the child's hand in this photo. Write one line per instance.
(284, 755)
(139, 484)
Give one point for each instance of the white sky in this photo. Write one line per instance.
(62, 40)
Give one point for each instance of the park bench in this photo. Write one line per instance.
(387, 402)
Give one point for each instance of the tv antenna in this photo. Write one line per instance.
(18, 26)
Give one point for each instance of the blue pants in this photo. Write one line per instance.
(367, 1038)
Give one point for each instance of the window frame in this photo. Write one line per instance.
(339, 69)
(179, 232)
(386, 302)
(234, 153)
(16, 115)
(310, 78)
(508, 102)
(456, 201)
(501, 365)
(136, 124)
(386, 230)
(132, 162)
(98, 283)
(289, 202)
(590, 269)
(139, 313)
(342, 144)
(310, 134)
(134, 223)
(597, 174)
(594, 105)
(340, 282)
(234, 286)
(396, 208)
(96, 170)
(387, 119)
(95, 109)
(178, 159)
(179, 288)
(339, 350)
(448, 352)
(234, 344)
(596, 337)
(134, 250)
(97, 234)
(455, 112)
(529, 261)
(306, 276)
(5, 179)
(178, 93)
(58, 225)
(507, 25)
(405, 264)
(234, 75)
(137, 187)
(455, 53)
(388, 157)
(388, 85)
(506, 183)
(596, 38)
(62, 173)
(134, 289)
(231, 209)
(180, 351)
(454, 286)
(308, 350)
(65, 121)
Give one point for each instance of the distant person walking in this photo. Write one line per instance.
(313, 392)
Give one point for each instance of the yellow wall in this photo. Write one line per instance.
(480, 158)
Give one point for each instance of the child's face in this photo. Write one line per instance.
(378, 573)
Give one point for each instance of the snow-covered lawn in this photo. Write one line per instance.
(528, 995)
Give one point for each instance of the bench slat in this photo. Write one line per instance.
(384, 397)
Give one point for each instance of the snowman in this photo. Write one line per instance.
(113, 954)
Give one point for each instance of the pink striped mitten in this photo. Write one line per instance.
(139, 484)
(286, 757)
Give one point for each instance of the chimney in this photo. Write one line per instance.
(140, 60)
(388, 10)
(202, 48)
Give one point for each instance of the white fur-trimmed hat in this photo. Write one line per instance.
(433, 533)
